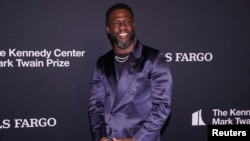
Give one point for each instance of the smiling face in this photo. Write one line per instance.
(121, 29)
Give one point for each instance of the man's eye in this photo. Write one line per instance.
(128, 22)
(115, 23)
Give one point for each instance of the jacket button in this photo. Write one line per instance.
(108, 94)
(132, 93)
(130, 113)
(112, 113)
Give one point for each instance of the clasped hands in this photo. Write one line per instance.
(115, 139)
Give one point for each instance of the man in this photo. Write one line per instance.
(131, 85)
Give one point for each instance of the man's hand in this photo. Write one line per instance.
(105, 139)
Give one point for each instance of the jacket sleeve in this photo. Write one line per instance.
(96, 106)
(161, 82)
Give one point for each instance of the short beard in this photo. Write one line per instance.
(121, 45)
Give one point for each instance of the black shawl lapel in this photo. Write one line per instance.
(110, 72)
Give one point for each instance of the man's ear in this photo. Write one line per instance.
(107, 30)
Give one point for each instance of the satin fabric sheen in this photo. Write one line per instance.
(146, 88)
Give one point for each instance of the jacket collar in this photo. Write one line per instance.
(137, 51)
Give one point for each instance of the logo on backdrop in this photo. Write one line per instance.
(231, 116)
(189, 57)
(28, 123)
(12, 57)
(197, 119)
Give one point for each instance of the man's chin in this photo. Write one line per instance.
(124, 45)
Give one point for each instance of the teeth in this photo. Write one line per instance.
(123, 34)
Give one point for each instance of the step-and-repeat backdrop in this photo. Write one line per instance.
(49, 47)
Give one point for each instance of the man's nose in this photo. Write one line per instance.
(122, 25)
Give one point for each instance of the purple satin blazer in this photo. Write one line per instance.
(146, 86)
